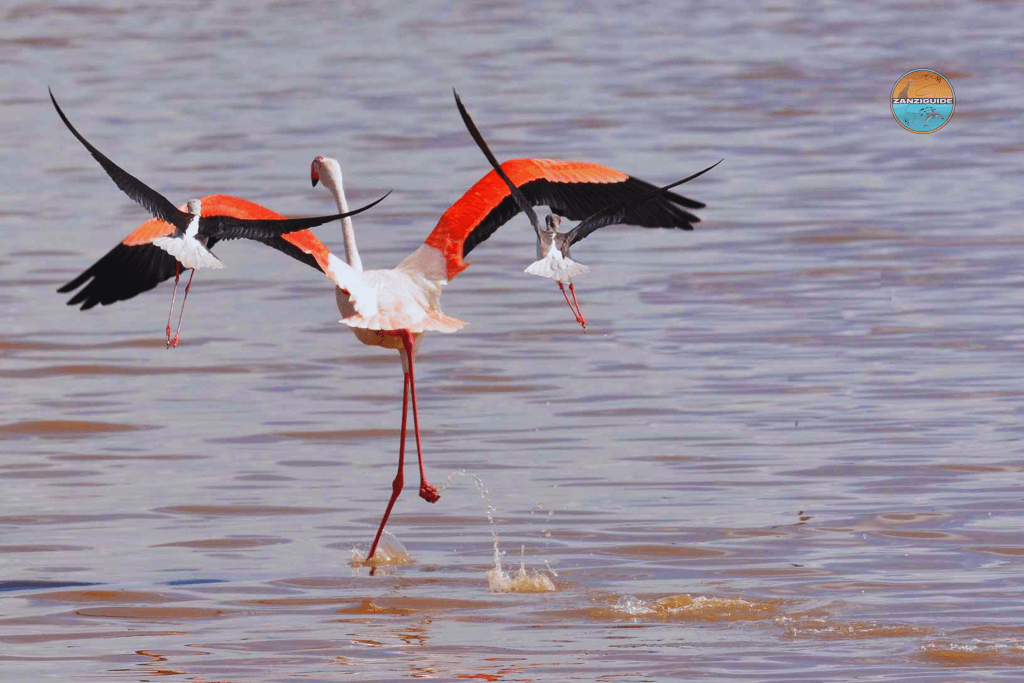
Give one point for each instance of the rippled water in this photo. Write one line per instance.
(788, 448)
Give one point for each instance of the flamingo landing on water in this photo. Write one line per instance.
(618, 199)
(181, 238)
(393, 308)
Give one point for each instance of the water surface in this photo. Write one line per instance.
(788, 447)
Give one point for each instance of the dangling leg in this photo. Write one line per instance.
(579, 319)
(174, 292)
(427, 492)
(399, 482)
(572, 290)
(174, 342)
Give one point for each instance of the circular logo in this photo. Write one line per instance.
(923, 101)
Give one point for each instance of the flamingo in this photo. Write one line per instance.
(392, 308)
(181, 237)
(553, 259)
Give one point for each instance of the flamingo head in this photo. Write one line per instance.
(551, 222)
(327, 167)
(195, 207)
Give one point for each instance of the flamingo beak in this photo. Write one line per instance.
(314, 171)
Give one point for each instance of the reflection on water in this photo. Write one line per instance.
(786, 449)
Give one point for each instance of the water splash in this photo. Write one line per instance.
(498, 580)
(632, 606)
(390, 553)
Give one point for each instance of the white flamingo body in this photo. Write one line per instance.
(393, 308)
(389, 308)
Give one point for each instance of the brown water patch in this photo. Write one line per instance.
(788, 572)
(1008, 551)
(680, 607)
(910, 517)
(663, 551)
(855, 630)
(406, 606)
(793, 112)
(976, 653)
(921, 535)
(107, 596)
(492, 388)
(341, 434)
(83, 635)
(62, 428)
(979, 469)
(228, 510)
(312, 463)
(224, 543)
(855, 234)
(152, 613)
(46, 474)
(143, 342)
(39, 548)
(19, 520)
(774, 72)
(119, 370)
(295, 602)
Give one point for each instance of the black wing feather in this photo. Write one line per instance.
(617, 213)
(577, 201)
(121, 274)
(520, 199)
(153, 201)
(231, 228)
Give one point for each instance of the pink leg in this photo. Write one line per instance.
(579, 318)
(174, 342)
(177, 275)
(572, 290)
(399, 482)
(427, 492)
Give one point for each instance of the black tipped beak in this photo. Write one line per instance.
(315, 181)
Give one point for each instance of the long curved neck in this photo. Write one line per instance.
(351, 252)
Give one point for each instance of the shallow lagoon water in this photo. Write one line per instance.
(786, 449)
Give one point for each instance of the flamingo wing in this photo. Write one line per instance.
(153, 201)
(136, 265)
(572, 189)
(229, 227)
(620, 212)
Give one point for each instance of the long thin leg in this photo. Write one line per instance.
(399, 482)
(177, 333)
(427, 492)
(572, 290)
(579, 318)
(177, 275)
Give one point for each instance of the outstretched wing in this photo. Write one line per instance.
(124, 272)
(136, 265)
(231, 227)
(521, 201)
(572, 189)
(153, 201)
(619, 213)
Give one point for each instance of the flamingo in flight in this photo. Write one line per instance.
(393, 308)
(181, 237)
(553, 259)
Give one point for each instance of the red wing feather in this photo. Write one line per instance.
(136, 265)
(304, 240)
(470, 211)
